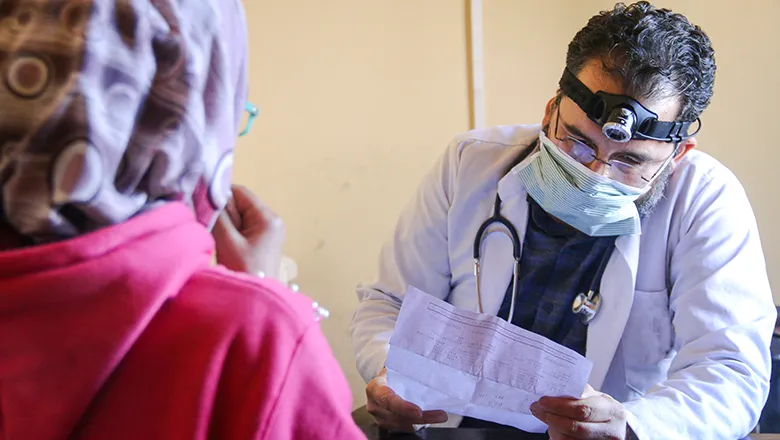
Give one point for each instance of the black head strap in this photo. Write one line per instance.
(600, 106)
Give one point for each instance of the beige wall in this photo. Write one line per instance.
(358, 98)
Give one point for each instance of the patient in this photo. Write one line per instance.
(117, 124)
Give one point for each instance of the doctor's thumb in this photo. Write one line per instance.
(589, 392)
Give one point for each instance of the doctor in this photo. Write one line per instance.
(617, 217)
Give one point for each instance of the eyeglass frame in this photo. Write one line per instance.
(608, 163)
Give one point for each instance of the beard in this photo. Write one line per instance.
(648, 202)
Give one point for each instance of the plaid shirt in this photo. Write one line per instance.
(557, 263)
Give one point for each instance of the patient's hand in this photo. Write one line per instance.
(393, 412)
(249, 235)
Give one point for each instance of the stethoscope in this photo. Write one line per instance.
(585, 305)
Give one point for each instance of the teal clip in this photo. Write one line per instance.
(253, 112)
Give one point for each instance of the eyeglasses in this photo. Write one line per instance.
(627, 171)
(253, 111)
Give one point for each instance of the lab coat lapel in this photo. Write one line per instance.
(617, 296)
(497, 263)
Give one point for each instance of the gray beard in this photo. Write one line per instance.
(647, 203)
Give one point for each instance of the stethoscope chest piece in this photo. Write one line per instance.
(586, 306)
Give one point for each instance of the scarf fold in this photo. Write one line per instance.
(110, 108)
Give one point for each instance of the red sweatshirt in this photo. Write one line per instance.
(129, 333)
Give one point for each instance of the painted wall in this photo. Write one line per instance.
(357, 98)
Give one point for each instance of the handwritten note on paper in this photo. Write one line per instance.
(477, 365)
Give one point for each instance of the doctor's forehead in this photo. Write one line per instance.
(597, 79)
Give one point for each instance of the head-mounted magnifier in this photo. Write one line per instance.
(621, 117)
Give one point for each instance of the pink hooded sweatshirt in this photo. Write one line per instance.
(119, 119)
(128, 333)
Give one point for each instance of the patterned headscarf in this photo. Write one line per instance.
(109, 108)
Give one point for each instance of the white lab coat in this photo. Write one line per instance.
(682, 337)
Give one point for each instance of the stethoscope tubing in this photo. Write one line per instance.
(593, 297)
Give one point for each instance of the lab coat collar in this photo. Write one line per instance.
(511, 188)
(514, 198)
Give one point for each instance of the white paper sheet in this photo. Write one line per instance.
(476, 365)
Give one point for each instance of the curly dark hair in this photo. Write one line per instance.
(657, 54)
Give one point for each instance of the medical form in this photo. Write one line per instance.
(477, 365)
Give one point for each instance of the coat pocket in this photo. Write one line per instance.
(649, 335)
(647, 341)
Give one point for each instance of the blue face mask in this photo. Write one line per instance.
(566, 189)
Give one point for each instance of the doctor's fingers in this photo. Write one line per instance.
(383, 400)
(562, 428)
(594, 409)
(386, 399)
(387, 420)
(382, 396)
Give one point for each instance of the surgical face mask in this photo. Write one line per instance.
(566, 189)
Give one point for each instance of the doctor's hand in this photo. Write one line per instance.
(594, 416)
(393, 412)
(249, 236)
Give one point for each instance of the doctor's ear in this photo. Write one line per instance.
(685, 146)
(552, 104)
